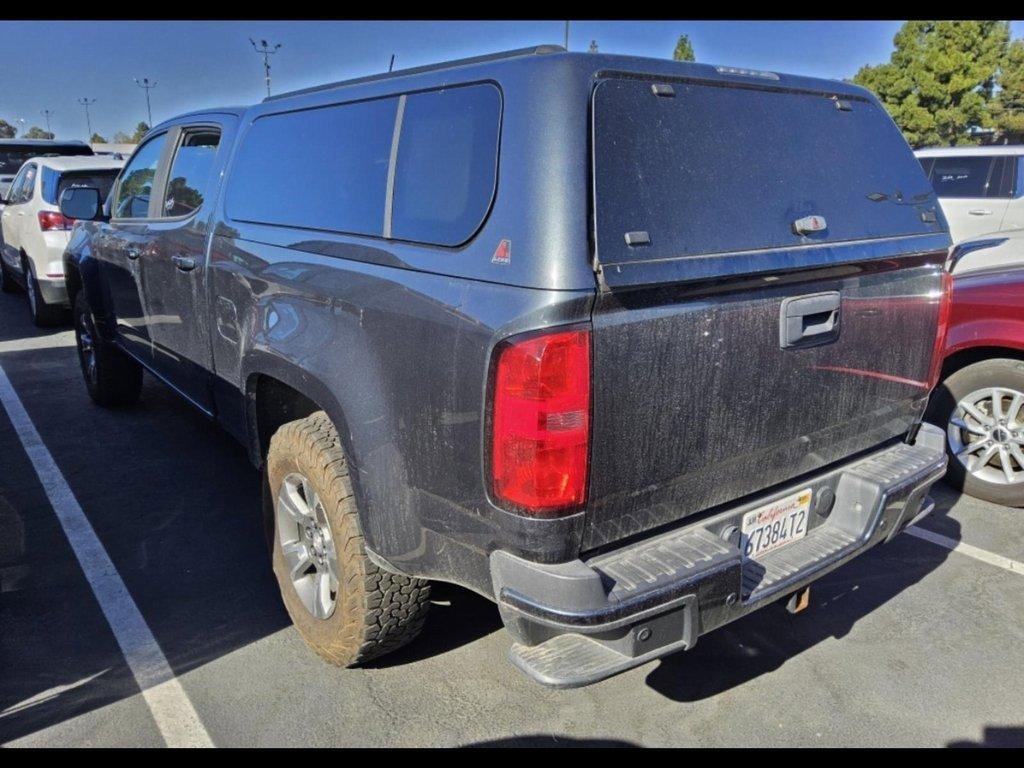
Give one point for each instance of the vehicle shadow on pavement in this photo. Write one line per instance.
(763, 641)
(995, 736)
(174, 501)
(550, 741)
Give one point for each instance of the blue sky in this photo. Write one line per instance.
(49, 65)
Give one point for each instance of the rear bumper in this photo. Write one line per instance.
(578, 622)
(53, 291)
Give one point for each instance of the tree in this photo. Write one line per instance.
(97, 139)
(35, 132)
(122, 138)
(1008, 107)
(140, 130)
(7, 130)
(940, 79)
(593, 47)
(684, 50)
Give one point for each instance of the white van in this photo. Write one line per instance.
(981, 189)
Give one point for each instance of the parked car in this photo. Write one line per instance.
(981, 189)
(14, 153)
(980, 400)
(35, 233)
(666, 367)
(993, 250)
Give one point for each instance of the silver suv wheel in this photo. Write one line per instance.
(986, 434)
(307, 545)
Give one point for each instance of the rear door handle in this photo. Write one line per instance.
(807, 321)
(131, 253)
(184, 263)
(980, 212)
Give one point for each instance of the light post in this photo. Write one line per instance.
(265, 49)
(148, 86)
(46, 114)
(85, 102)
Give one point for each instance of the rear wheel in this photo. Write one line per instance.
(111, 377)
(43, 315)
(345, 607)
(981, 407)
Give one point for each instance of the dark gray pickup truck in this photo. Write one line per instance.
(631, 347)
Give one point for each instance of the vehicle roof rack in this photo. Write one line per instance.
(536, 50)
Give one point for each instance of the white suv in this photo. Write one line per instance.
(35, 233)
(981, 189)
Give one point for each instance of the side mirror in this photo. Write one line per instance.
(80, 203)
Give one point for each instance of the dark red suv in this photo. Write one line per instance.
(980, 398)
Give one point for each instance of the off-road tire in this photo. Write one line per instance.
(376, 611)
(996, 372)
(117, 380)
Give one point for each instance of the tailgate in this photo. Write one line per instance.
(734, 351)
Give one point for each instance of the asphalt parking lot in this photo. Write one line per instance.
(911, 645)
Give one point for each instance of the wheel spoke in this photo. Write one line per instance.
(1013, 414)
(984, 458)
(980, 417)
(296, 558)
(970, 448)
(974, 429)
(1018, 454)
(293, 503)
(321, 595)
(1004, 461)
(997, 405)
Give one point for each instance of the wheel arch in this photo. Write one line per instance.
(967, 356)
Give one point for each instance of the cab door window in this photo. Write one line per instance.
(189, 179)
(136, 185)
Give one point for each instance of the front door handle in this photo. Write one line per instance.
(184, 263)
(980, 212)
(807, 321)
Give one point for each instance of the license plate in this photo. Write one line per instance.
(775, 525)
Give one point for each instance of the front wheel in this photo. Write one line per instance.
(346, 608)
(112, 378)
(981, 407)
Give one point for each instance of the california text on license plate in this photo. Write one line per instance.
(776, 524)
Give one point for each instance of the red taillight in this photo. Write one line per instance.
(945, 311)
(54, 220)
(540, 424)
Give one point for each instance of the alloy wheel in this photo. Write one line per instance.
(85, 337)
(986, 434)
(307, 544)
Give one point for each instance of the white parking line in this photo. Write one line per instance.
(1014, 566)
(172, 711)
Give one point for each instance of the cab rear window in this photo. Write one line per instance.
(716, 169)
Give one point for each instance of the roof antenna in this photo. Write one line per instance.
(392, 64)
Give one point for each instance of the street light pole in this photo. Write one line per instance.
(46, 114)
(265, 49)
(567, 35)
(144, 83)
(85, 102)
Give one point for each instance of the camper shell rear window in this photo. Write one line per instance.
(697, 168)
